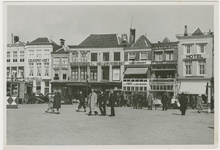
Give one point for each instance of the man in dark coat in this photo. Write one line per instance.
(164, 101)
(57, 101)
(183, 103)
(135, 99)
(112, 103)
(102, 102)
(140, 101)
(81, 102)
(122, 99)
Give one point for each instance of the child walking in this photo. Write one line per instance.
(50, 104)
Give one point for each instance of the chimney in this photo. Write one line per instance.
(132, 36)
(185, 32)
(12, 38)
(16, 39)
(62, 42)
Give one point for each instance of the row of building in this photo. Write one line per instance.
(106, 61)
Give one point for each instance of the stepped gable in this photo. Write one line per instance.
(100, 40)
(142, 42)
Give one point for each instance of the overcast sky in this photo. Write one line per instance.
(74, 23)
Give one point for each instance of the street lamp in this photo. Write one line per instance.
(87, 84)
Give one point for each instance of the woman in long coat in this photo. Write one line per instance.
(199, 103)
(93, 102)
(57, 101)
(183, 103)
(149, 101)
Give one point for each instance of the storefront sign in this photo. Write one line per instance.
(194, 76)
(137, 63)
(163, 62)
(96, 63)
(38, 60)
(134, 83)
(93, 64)
(165, 47)
(80, 63)
(161, 83)
(76, 84)
(116, 74)
(194, 56)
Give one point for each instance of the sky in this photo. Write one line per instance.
(76, 22)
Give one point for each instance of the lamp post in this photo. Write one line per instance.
(87, 84)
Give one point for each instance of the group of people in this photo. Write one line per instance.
(54, 102)
(96, 102)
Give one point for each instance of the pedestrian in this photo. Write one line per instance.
(183, 103)
(199, 106)
(149, 101)
(135, 99)
(193, 102)
(118, 99)
(57, 101)
(81, 102)
(140, 100)
(93, 102)
(122, 102)
(50, 104)
(164, 101)
(102, 102)
(112, 103)
(212, 104)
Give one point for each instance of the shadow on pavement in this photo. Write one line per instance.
(176, 114)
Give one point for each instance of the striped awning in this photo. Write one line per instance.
(136, 71)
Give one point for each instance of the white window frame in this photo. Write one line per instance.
(64, 61)
(46, 67)
(159, 56)
(56, 62)
(199, 48)
(31, 53)
(21, 56)
(167, 56)
(46, 53)
(8, 57)
(75, 57)
(185, 48)
(143, 53)
(39, 68)
(39, 53)
(185, 68)
(31, 67)
(130, 56)
(15, 58)
(198, 64)
(64, 72)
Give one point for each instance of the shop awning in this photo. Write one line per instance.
(136, 71)
(193, 87)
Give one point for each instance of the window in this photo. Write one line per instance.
(131, 56)
(38, 69)
(56, 60)
(169, 56)
(21, 72)
(105, 56)
(105, 73)
(158, 56)
(188, 66)
(201, 67)
(83, 57)
(83, 73)
(145, 88)
(38, 89)
(56, 74)
(117, 56)
(64, 74)
(93, 73)
(201, 48)
(143, 56)
(136, 88)
(132, 88)
(75, 73)
(21, 56)
(8, 72)
(46, 69)
(75, 57)
(64, 61)
(47, 53)
(15, 56)
(93, 56)
(31, 53)
(47, 84)
(39, 55)
(188, 49)
(8, 56)
(31, 69)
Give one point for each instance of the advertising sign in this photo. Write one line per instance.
(116, 74)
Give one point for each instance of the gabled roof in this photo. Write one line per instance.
(45, 41)
(166, 40)
(100, 40)
(64, 49)
(197, 32)
(142, 42)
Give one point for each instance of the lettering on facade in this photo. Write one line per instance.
(137, 63)
(96, 63)
(161, 83)
(165, 47)
(194, 56)
(163, 62)
(134, 83)
(38, 60)
(76, 84)
(194, 76)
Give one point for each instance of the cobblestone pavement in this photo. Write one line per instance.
(30, 125)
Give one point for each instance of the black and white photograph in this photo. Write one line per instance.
(110, 75)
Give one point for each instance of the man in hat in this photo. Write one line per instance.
(81, 102)
(112, 103)
(140, 100)
(183, 103)
(93, 102)
(102, 102)
(149, 101)
(164, 101)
